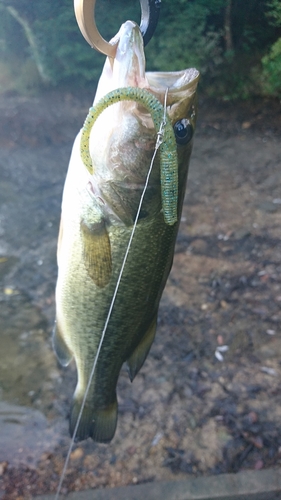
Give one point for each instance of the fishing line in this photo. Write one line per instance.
(159, 141)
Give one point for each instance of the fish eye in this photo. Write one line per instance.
(183, 131)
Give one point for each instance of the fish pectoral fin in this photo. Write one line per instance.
(97, 252)
(136, 360)
(96, 423)
(62, 352)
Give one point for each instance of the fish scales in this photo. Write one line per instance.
(98, 212)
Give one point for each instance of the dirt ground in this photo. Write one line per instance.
(208, 399)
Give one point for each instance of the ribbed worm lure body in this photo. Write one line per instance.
(168, 147)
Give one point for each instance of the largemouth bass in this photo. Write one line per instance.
(100, 202)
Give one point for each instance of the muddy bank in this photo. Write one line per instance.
(208, 399)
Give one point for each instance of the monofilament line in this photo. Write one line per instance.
(159, 140)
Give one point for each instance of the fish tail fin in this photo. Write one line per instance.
(97, 423)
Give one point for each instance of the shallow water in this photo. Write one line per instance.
(28, 381)
(31, 179)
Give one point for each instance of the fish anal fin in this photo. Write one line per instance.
(62, 351)
(136, 360)
(96, 423)
(97, 252)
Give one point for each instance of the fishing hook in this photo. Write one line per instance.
(84, 12)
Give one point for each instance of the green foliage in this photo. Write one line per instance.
(274, 12)
(63, 50)
(250, 25)
(185, 40)
(271, 76)
(64, 54)
(44, 35)
(238, 79)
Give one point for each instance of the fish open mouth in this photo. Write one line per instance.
(178, 83)
(127, 69)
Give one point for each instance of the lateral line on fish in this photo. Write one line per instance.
(159, 142)
(168, 148)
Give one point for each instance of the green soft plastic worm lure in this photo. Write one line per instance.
(168, 148)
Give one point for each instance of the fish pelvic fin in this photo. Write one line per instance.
(96, 423)
(62, 352)
(136, 360)
(97, 252)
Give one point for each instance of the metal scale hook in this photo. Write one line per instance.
(84, 12)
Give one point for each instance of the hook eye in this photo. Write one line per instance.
(84, 12)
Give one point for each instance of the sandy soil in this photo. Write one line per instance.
(208, 399)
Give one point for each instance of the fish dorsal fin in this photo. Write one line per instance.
(62, 352)
(96, 252)
(136, 360)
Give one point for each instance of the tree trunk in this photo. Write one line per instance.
(32, 43)
(227, 26)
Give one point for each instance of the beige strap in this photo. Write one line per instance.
(84, 12)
